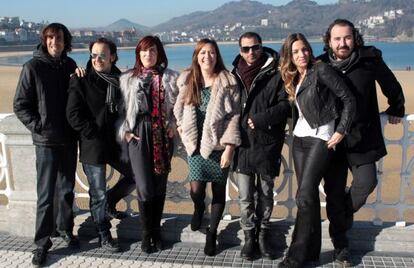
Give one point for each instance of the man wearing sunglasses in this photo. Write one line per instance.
(265, 109)
(92, 111)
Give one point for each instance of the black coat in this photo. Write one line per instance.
(318, 96)
(89, 115)
(41, 97)
(365, 143)
(267, 105)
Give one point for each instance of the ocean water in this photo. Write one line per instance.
(398, 56)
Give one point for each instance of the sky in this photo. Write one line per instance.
(96, 13)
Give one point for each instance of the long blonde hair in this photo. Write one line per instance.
(195, 78)
(288, 70)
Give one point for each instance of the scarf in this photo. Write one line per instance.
(343, 65)
(249, 72)
(111, 90)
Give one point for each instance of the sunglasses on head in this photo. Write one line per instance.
(98, 56)
(253, 48)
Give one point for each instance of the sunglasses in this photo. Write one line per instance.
(253, 48)
(98, 56)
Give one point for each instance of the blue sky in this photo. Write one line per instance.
(93, 13)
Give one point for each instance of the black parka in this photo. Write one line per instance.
(364, 142)
(89, 115)
(266, 103)
(41, 97)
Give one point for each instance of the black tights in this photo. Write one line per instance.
(198, 193)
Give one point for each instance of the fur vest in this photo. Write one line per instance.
(132, 93)
(221, 125)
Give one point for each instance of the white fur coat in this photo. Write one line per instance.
(221, 125)
(131, 89)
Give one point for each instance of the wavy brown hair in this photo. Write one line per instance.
(358, 39)
(54, 28)
(145, 43)
(194, 80)
(288, 70)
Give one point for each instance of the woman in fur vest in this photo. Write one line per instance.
(149, 92)
(207, 113)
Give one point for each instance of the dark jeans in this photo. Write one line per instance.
(340, 206)
(96, 175)
(256, 200)
(56, 167)
(311, 157)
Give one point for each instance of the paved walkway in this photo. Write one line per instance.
(17, 252)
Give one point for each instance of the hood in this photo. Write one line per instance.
(273, 56)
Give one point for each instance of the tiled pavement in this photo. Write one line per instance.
(16, 252)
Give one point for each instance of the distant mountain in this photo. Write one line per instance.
(298, 16)
(124, 24)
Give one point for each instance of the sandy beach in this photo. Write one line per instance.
(9, 76)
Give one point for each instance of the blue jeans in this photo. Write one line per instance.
(96, 174)
(56, 167)
(255, 211)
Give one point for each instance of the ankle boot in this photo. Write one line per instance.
(145, 213)
(210, 247)
(158, 209)
(247, 252)
(264, 244)
(198, 214)
(107, 242)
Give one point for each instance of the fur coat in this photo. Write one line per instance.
(133, 98)
(221, 125)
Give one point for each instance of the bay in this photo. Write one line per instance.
(398, 56)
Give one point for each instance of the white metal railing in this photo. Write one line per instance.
(284, 192)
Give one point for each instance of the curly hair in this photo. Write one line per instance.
(358, 40)
(288, 69)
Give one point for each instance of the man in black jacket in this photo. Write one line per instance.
(361, 67)
(92, 110)
(39, 104)
(265, 109)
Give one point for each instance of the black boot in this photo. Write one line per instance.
(107, 242)
(264, 244)
(145, 213)
(198, 214)
(210, 247)
(156, 219)
(247, 252)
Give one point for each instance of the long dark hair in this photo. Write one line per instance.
(194, 79)
(358, 39)
(145, 43)
(54, 28)
(288, 69)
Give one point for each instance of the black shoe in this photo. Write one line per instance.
(39, 256)
(71, 241)
(342, 257)
(156, 240)
(116, 214)
(146, 244)
(210, 247)
(197, 218)
(247, 252)
(108, 243)
(289, 263)
(264, 245)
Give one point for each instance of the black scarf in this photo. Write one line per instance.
(249, 72)
(345, 64)
(111, 91)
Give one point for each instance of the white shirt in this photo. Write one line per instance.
(303, 129)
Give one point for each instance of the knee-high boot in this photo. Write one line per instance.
(158, 209)
(146, 211)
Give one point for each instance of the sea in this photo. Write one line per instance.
(398, 56)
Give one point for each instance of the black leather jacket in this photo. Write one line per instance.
(323, 96)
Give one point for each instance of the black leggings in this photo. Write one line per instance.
(198, 193)
(311, 156)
